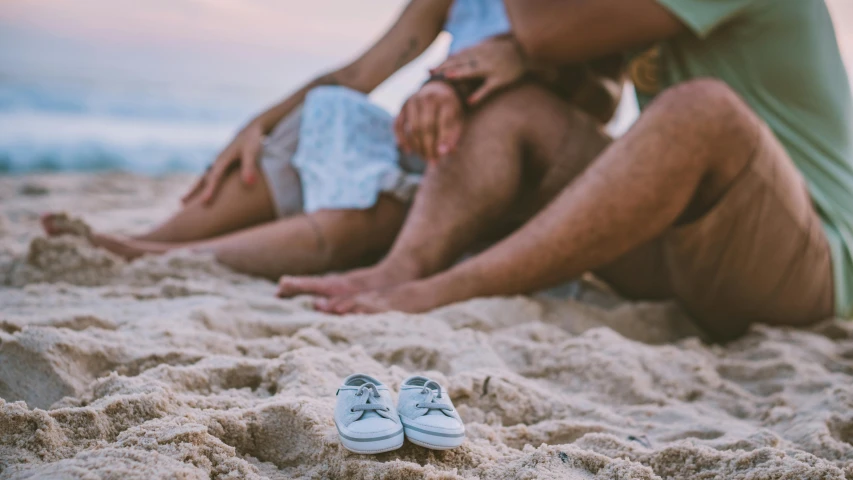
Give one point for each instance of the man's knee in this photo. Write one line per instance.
(710, 103)
(498, 125)
(507, 109)
(528, 112)
(717, 127)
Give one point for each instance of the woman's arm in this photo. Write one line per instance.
(418, 26)
(414, 31)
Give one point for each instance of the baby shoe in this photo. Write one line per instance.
(428, 416)
(365, 416)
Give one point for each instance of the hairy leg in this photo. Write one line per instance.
(502, 166)
(676, 162)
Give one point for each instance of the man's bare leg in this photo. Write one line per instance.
(475, 189)
(674, 164)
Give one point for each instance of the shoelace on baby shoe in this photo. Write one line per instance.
(430, 403)
(372, 392)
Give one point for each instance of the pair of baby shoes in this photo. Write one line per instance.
(368, 422)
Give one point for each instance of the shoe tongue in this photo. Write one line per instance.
(434, 411)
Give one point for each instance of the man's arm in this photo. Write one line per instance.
(571, 31)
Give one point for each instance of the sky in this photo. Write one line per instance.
(267, 47)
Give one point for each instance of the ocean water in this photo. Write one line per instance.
(50, 123)
(91, 124)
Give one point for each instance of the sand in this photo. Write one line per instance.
(176, 367)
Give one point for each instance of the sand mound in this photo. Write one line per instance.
(176, 367)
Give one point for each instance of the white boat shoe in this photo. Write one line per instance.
(428, 416)
(365, 416)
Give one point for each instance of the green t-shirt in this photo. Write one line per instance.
(782, 58)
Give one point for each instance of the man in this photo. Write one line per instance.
(732, 194)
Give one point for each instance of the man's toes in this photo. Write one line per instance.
(336, 305)
(366, 308)
(292, 286)
(344, 305)
(368, 303)
(286, 286)
(324, 305)
(340, 305)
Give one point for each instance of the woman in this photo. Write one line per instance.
(277, 219)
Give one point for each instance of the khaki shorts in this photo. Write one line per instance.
(760, 255)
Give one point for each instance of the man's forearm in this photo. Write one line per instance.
(571, 31)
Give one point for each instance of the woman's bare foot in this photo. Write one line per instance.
(377, 277)
(56, 224)
(121, 246)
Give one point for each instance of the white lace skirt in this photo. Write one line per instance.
(337, 151)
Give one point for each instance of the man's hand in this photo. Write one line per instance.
(498, 61)
(244, 149)
(430, 122)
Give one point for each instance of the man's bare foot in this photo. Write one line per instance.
(339, 285)
(412, 297)
(55, 224)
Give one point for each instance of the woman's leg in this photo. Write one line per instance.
(298, 245)
(237, 206)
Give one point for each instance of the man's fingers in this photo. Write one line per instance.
(399, 132)
(412, 127)
(428, 114)
(484, 91)
(449, 130)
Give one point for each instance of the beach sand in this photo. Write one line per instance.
(176, 367)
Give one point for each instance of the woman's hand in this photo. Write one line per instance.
(430, 122)
(498, 61)
(244, 149)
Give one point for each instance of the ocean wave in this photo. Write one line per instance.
(91, 158)
(62, 141)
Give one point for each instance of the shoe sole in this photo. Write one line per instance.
(433, 440)
(378, 444)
